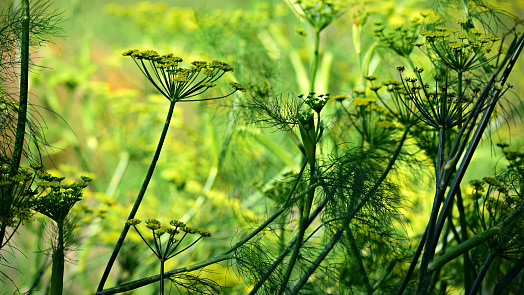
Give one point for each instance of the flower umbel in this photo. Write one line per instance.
(177, 83)
(321, 13)
(166, 250)
(441, 107)
(166, 241)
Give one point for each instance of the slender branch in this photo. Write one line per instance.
(510, 275)
(304, 218)
(356, 253)
(483, 271)
(139, 198)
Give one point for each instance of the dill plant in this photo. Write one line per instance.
(165, 250)
(177, 84)
(452, 105)
(345, 237)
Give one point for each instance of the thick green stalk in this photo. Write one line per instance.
(139, 198)
(24, 89)
(57, 275)
(460, 249)
(306, 207)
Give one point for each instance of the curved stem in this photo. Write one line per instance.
(139, 198)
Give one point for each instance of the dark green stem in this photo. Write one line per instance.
(509, 276)
(57, 275)
(162, 276)
(482, 274)
(467, 264)
(139, 198)
(24, 88)
(358, 257)
(423, 278)
(413, 264)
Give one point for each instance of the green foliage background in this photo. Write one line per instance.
(102, 120)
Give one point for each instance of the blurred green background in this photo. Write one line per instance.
(103, 119)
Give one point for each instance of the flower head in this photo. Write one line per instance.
(133, 221)
(203, 232)
(177, 83)
(460, 50)
(321, 13)
(153, 224)
(316, 102)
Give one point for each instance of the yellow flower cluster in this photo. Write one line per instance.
(363, 101)
(460, 50)
(177, 83)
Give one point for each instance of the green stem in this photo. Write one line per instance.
(139, 198)
(482, 274)
(314, 64)
(24, 89)
(358, 257)
(467, 264)
(162, 276)
(285, 251)
(455, 251)
(57, 275)
(423, 278)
